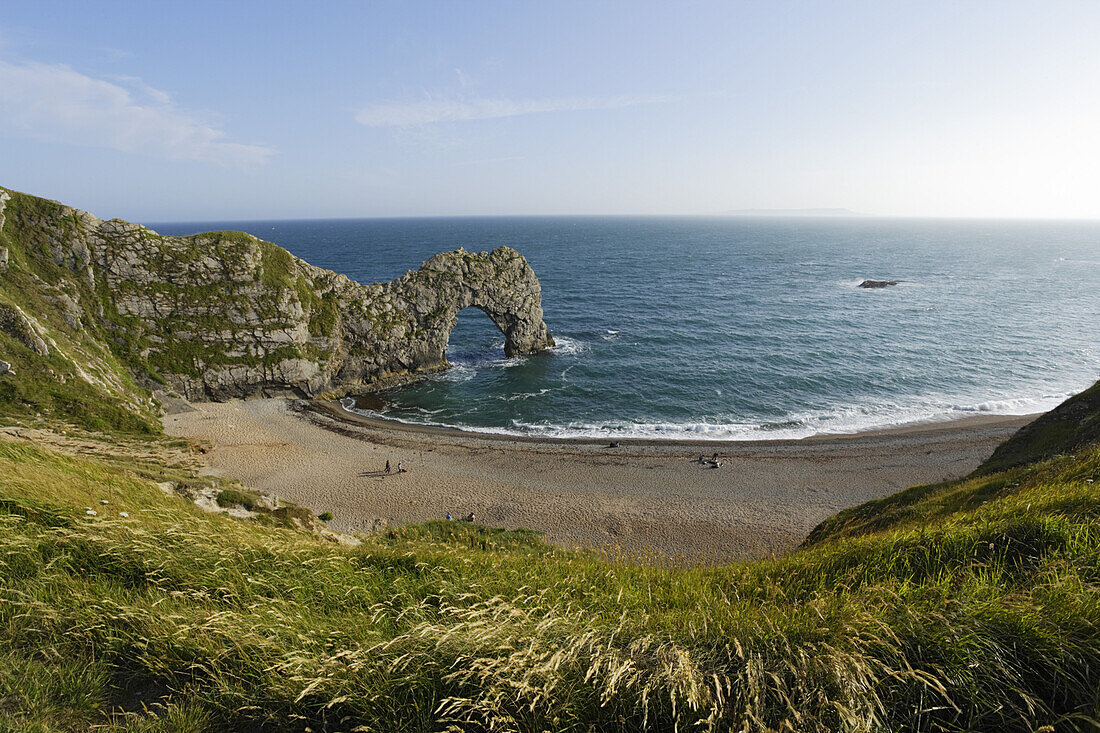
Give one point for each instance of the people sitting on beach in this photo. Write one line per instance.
(448, 516)
(401, 468)
(717, 464)
(470, 517)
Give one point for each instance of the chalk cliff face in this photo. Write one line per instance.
(224, 314)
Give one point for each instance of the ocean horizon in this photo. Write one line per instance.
(742, 327)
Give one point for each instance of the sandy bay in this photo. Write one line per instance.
(644, 498)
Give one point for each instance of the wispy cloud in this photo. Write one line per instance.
(487, 161)
(57, 104)
(431, 111)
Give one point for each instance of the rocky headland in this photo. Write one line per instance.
(223, 314)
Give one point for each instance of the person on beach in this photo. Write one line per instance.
(387, 465)
(401, 468)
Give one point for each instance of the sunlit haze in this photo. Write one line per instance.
(204, 110)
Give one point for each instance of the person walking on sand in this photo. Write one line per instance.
(387, 465)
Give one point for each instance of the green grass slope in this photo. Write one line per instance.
(975, 608)
(1074, 423)
(1072, 426)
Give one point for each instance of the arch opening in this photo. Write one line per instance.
(475, 338)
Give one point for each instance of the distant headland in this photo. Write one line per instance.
(791, 212)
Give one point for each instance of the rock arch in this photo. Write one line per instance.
(395, 331)
(500, 283)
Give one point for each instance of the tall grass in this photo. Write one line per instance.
(970, 606)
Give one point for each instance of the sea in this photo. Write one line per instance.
(742, 328)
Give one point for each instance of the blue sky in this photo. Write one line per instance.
(157, 111)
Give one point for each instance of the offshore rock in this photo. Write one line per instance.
(877, 283)
(224, 314)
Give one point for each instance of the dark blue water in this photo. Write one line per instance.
(746, 327)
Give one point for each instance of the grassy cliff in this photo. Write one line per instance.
(157, 310)
(1074, 423)
(62, 368)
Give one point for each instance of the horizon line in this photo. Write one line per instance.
(705, 215)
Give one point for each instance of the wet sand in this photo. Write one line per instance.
(644, 498)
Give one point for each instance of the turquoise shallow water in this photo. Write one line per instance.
(745, 328)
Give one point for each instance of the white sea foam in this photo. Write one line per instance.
(457, 373)
(844, 420)
(566, 346)
(1015, 406)
(523, 395)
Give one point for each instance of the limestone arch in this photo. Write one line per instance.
(500, 284)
